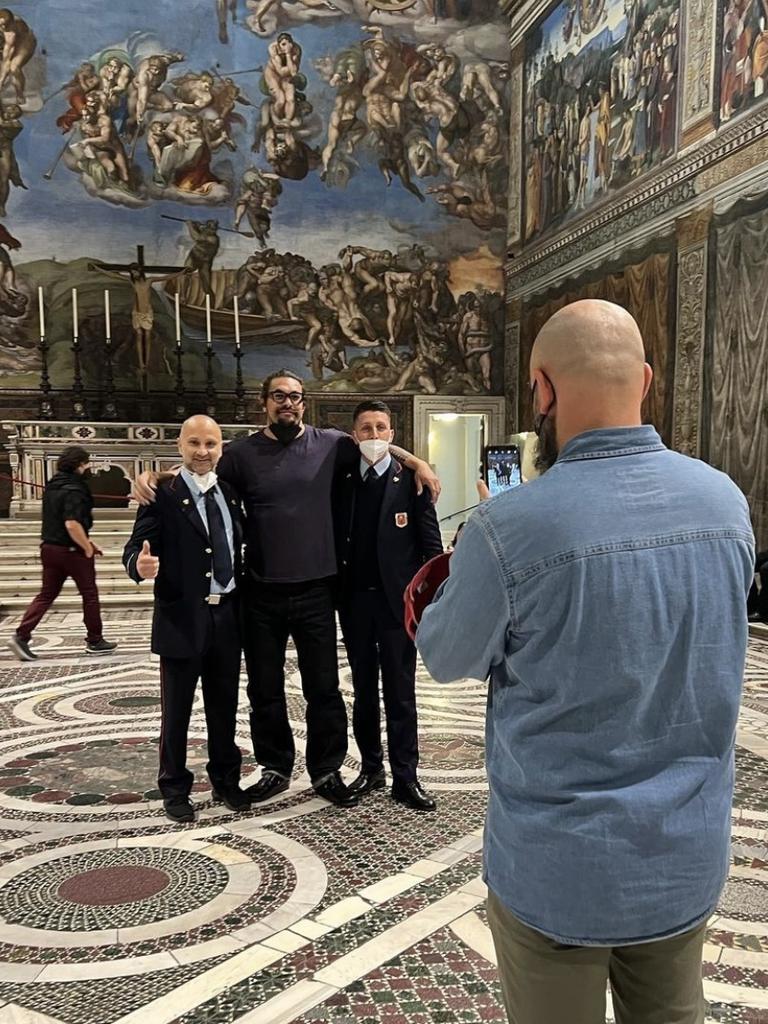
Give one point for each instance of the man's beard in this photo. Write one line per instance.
(548, 450)
(285, 432)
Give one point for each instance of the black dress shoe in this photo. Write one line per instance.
(232, 797)
(411, 794)
(335, 792)
(178, 809)
(270, 784)
(366, 783)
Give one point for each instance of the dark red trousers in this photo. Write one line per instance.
(58, 564)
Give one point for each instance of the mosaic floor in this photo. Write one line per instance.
(296, 912)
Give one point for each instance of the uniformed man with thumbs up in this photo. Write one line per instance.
(188, 541)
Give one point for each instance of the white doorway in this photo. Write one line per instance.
(455, 444)
(449, 432)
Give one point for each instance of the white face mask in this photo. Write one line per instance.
(373, 451)
(204, 482)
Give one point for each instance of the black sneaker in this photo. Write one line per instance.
(21, 649)
(178, 809)
(100, 647)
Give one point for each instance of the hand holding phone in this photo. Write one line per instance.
(501, 467)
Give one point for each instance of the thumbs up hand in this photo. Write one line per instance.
(147, 565)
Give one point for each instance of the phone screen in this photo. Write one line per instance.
(502, 467)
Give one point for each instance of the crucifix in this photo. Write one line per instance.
(142, 314)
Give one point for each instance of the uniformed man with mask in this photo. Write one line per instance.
(385, 533)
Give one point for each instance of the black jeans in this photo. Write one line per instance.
(376, 640)
(304, 611)
(219, 668)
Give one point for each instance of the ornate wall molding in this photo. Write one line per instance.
(515, 201)
(743, 160)
(698, 85)
(523, 15)
(691, 328)
(512, 371)
(662, 191)
(694, 229)
(609, 232)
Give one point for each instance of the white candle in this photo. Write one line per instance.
(42, 311)
(74, 311)
(237, 324)
(208, 318)
(178, 318)
(106, 315)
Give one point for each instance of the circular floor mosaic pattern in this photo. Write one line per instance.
(97, 772)
(111, 889)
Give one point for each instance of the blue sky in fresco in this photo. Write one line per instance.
(61, 219)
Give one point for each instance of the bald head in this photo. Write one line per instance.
(588, 364)
(199, 423)
(200, 444)
(590, 341)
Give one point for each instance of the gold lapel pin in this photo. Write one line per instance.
(185, 501)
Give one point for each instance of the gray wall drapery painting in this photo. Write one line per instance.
(739, 366)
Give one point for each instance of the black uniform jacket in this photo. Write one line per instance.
(408, 531)
(177, 535)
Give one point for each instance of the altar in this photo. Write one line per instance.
(119, 452)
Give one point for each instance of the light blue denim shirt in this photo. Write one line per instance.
(198, 497)
(607, 602)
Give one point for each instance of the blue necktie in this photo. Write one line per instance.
(222, 559)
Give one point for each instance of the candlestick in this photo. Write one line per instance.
(41, 309)
(178, 319)
(107, 319)
(74, 312)
(208, 318)
(237, 324)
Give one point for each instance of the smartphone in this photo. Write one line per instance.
(501, 467)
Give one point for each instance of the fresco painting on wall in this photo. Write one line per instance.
(744, 58)
(338, 165)
(600, 102)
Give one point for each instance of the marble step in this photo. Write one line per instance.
(31, 569)
(139, 598)
(32, 532)
(32, 514)
(107, 582)
(14, 558)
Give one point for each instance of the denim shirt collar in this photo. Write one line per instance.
(610, 442)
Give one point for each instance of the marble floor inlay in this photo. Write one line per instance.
(295, 912)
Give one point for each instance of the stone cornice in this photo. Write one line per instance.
(523, 14)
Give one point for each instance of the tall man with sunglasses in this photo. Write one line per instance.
(283, 476)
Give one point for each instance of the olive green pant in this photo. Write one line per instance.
(544, 982)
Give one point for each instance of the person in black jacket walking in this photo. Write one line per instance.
(66, 551)
(385, 532)
(189, 541)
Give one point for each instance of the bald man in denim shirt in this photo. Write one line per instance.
(615, 678)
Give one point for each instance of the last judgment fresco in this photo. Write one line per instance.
(336, 169)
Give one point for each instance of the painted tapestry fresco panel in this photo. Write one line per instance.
(738, 442)
(600, 103)
(646, 289)
(337, 166)
(743, 56)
